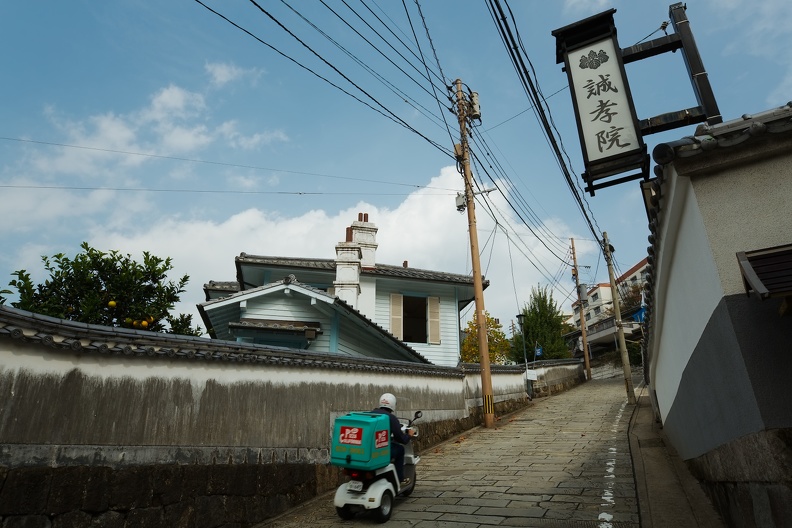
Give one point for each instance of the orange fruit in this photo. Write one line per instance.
(144, 324)
(111, 304)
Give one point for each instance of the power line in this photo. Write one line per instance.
(201, 191)
(383, 111)
(513, 48)
(437, 61)
(379, 77)
(218, 163)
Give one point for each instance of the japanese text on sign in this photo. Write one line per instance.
(606, 122)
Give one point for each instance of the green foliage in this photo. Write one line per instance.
(3, 299)
(497, 343)
(107, 289)
(544, 325)
(634, 353)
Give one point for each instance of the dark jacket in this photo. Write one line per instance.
(395, 426)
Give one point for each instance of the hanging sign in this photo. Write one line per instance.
(609, 132)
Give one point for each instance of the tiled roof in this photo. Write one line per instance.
(229, 286)
(383, 270)
(415, 273)
(70, 336)
(727, 135)
(290, 262)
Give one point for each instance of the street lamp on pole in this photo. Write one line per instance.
(528, 385)
(520, 321)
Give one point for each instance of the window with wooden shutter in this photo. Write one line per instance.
(396, 318)
(433, 320)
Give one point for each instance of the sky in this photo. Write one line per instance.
(161, 127)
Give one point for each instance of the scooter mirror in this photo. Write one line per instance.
(418, 414)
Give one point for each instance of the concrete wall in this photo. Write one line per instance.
(113, 433)
(556, 376)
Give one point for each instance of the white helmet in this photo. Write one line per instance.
(388, 401)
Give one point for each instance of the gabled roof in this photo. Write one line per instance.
(215, 289)
(383, 270)
(342, 308)
(71, 336)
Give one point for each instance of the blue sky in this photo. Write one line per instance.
(160, 127)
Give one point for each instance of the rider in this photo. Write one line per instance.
(387, 406)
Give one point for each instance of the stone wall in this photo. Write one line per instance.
(750, 479)
(557, 376)
(127, 430)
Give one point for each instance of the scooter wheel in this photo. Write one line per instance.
(345, 512)
(383, 513)
(407, 492)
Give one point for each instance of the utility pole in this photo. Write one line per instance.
(628, 384)
(582, 313)
(464, 109)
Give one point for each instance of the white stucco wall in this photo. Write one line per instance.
(746, 207)
(688, 289)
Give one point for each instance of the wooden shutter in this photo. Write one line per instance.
(433, 320)
(396, 315)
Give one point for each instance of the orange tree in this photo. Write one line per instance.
(108, 289)
(497, 342)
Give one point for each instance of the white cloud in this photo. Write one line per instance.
(425, 230)
(179, 139)
(251, 142)
(99, 134)
(224, 73)
(172, 103)
(239, 181)
(762, 30)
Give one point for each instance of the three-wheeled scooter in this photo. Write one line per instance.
(361, 445)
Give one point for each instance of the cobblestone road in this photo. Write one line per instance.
(564, 462)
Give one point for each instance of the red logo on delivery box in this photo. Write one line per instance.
(351, 435)
(381, 439)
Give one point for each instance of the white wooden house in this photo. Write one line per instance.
(349, 305)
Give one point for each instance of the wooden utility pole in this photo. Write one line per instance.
(582, 313)
(628, 384)
(463, 158)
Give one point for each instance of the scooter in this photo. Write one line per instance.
(375, 490)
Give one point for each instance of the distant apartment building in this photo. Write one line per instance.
(598, 305)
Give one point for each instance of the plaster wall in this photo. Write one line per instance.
(687, 292)
(745, 205)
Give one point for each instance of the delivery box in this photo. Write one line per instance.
(361, 441)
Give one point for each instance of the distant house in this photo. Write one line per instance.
(598, 304)
(597, 311)
(718, 326)
(349, 305)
